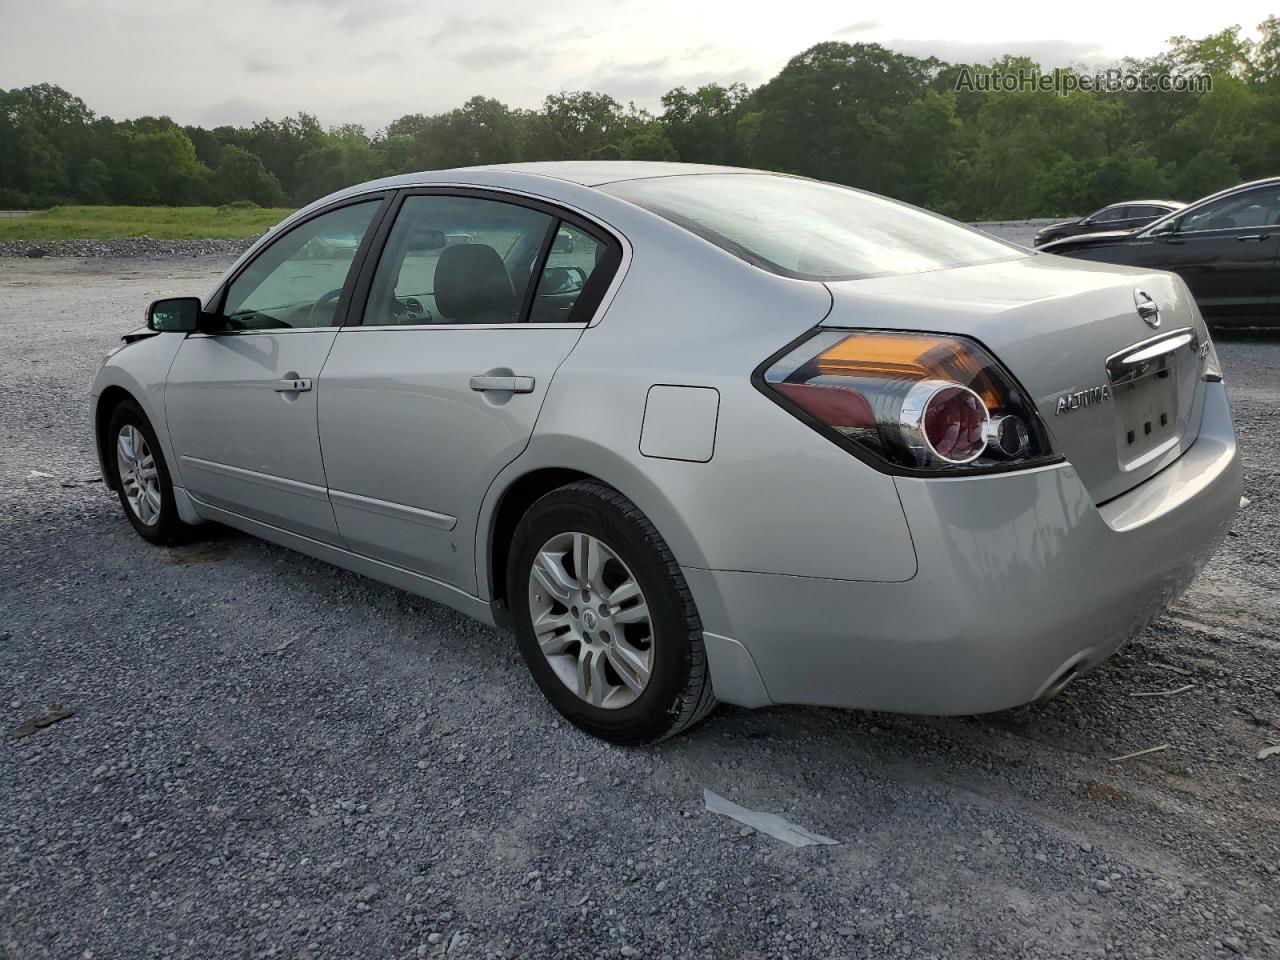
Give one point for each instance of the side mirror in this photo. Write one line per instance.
(562, 280)
(175, 315)
(1163, 229)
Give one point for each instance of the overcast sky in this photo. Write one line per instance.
(369, 61)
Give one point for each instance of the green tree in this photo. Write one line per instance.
(157, 168)
(832, 111)
(241, 175)
(703, 125)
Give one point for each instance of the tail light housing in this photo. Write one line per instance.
(909, 402)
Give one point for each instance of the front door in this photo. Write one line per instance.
(240, 398)
(474, 304)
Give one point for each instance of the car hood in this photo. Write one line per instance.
(1089, 239)
(1054, 323)
(1057, 226)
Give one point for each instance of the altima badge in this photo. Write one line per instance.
(1148, 309)
(1082, 398)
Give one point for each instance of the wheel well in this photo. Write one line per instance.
(111, 398)
(519, 497)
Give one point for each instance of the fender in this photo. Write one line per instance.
(132, 368)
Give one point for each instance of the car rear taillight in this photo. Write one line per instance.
(919, 402)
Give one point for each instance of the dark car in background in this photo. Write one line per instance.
(1224, 247)
(1129, 215)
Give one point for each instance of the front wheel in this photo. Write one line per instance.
(604, 618)
(142, 477)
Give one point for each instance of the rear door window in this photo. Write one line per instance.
(457, 259)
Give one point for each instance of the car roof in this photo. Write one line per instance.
(594, 173)
(1139, 203)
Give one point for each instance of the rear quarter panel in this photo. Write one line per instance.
(775, 496)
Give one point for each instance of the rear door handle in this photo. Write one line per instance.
(292, 385)
(508, 384)
(1250, 236)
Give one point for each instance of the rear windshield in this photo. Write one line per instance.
(811, 230)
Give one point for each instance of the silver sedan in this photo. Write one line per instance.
(695, 434)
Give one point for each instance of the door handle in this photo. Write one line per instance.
(1250, 236)
(292, 385)
(508, 384)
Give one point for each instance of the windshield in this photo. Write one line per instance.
(811, 230)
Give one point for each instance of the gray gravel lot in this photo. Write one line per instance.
(271, 757)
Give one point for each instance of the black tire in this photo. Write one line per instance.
(678, 693)
(168, 528)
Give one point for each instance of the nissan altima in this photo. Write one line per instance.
(695, 434)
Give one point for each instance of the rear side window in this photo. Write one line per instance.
(810, 230)
(574, 258)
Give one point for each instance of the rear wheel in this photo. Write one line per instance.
(604, 618)
(142, 477)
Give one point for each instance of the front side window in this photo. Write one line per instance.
(453, 259)
(810, 230)
(1253, 208)
(297, 281)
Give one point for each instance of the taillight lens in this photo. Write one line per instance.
(914, 401)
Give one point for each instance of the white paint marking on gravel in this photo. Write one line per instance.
(770, 823)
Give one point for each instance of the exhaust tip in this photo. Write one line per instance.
(1059, 683)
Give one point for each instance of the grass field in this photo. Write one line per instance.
(163, 223)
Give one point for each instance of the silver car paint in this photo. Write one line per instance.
(1023, 583)
(818, 578)
(1016, 309)
(412, 496)
(242, 446)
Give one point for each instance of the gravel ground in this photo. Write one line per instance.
(126, 247)
(270, 757)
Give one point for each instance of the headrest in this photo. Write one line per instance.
(472, 285)
(424, 239)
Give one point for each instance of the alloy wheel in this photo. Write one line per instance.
(139, 478)
(591, 620)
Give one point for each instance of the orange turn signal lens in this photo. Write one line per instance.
(898, 356)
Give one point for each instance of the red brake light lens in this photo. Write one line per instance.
(917, 401)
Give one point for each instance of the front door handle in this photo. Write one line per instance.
(508, 384)
(292, 385)
(1249, 236)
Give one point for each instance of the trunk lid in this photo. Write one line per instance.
(1121, 399)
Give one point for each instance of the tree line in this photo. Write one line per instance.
(852, 113)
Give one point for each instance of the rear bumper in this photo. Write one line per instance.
(1022, 582)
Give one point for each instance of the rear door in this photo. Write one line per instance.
(1226, 252)
(475, 300)
(240, 398)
